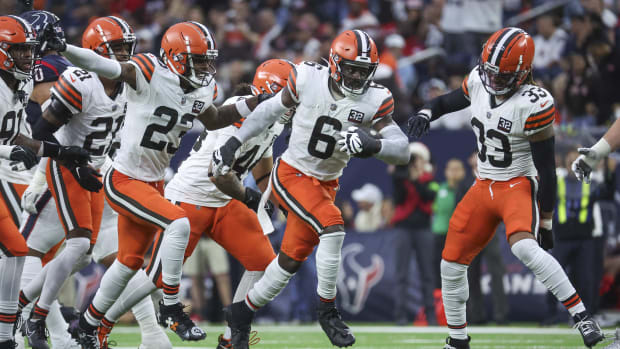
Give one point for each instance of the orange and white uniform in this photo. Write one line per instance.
(12, 115)
(306, 176)
(159, 113)
(506, 188)
(214, 214)
(96, 117)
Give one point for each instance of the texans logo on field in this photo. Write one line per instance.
(356, 116)
(356, 281)
(504, 125)
(197, 107)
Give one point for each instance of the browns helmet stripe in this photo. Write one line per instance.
(206, 33)
(363, 43)
(124, 26)
(501, 44)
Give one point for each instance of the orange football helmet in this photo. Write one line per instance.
(110, 36)
(189, 50)
(353, 60)
(506, 60)
(271, 76)
(18, 47)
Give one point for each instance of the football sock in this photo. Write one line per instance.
(144, 312)
(32, 288)
(549, 272)
(112, 285)
(10, 274)
(56, 324)
(59, 269)
(327, 263)
(173, 246)
(248, 279)
(269, 286)
(138, 288)
(227, 333)
(32, 267)
(455, 291)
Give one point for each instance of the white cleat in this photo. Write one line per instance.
(65, 343)
(19, 339)
(155, 339)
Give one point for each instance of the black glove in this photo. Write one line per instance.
(87, 176)
(264, 96)
(53, 41)
(25, 155)
(72, 156)
(418, 125)
(252, 200)
(224, 157)
(545, 238)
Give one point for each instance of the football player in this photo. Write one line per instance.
(219, 208)
(18, 49)
(94, 125)
(336, 108)
(590, 157)
(513, 121)
(164, 98)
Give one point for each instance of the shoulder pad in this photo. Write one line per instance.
(68, 88)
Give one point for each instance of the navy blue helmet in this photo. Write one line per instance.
(40, 21)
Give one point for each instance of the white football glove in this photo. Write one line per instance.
(32, 194)
(589, 159)
(224, 157)
(358, 142)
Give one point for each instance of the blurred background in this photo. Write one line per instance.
(397, 217)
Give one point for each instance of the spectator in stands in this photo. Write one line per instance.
(476, 308)
(549, 42)
(413, 199)
(360, 17)
(212, 256)
(575, 91)
(606, 59)
(443, 206)
(574, 224)
(369, 200)
(481, 18)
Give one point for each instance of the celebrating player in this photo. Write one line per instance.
(512, 119)
(93, 125)
(18, 48)
(335, 108)
(163, 100)
(223, 209)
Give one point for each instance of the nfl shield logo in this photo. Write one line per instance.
(488, 115)
(183, 100)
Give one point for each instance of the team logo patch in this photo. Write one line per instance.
(504, 125)
(197, 107)
(356, 116)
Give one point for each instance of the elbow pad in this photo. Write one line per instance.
(543, 154)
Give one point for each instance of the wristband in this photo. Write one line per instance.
(602, 148)
(48, 149)
(242, 108)
(5, 151)
(546, 223)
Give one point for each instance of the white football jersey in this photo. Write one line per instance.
(12, 122)
(159, 113)
(192, 185)
(96, 117)
(319, 118)
(502, 129)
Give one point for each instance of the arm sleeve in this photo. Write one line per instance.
(393, 145)
(262, 117)
(91, 61)
(448, 103)
(543, 154)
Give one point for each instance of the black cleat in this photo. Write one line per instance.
(8, 345)
(36, 333)
(590, 331)
(174, 318)
(84, 333)
(336, 330)
(452, 343)
(223, 343)
(240, 325)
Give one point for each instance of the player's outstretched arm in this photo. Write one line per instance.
(590, 157)
(433, 110)
(542, 145)
(215, 118)
(106, 67)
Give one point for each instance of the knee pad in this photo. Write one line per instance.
(133, 262)
(454, 280)
(179, 228)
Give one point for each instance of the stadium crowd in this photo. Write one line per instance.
(427, 47)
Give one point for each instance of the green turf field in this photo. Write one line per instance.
(379, 337)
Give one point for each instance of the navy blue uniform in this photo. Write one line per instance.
(49, 68)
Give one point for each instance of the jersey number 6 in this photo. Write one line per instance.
(318, 136)
(493, 134)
